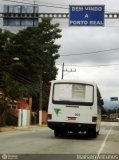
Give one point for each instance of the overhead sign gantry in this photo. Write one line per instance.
(83, 16)
(86, 15)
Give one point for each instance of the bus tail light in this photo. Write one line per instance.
(94, 119)
(49, 116)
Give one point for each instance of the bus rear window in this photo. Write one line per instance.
(69, 93)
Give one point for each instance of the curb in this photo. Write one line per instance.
(12, 128)
(5, 129)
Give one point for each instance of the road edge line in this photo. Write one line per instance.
(103, 144)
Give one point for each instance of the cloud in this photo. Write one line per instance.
(82, 40)
(76, 40)
(106, 78)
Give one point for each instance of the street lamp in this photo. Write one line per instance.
(16, 58)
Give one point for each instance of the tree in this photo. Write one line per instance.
(6, 65)
(8, 86)
(13, 88)
(36, 48)
(37, 51)
(5, 36)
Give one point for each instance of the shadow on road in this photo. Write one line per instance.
(80, 136)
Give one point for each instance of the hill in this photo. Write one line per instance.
(110, 104)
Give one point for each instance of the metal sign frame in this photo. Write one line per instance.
(114, 98)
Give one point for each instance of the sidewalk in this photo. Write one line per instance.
(15, 128)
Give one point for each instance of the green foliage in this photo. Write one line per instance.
(5, 37)
(12, 87)
(37, 51)
(36, 48)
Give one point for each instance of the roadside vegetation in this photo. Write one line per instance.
(27, 60)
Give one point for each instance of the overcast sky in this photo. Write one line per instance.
(76, 40)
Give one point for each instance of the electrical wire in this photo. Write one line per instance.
(23, 81)
(41, 5)
(19, 77)
(100, 65)
(94, 52)
(52, 5)
(47, 3)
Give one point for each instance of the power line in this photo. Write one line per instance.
(24, 77)
(34, 2)
(114, 15)
(100, 65)
(17, 74)
(24, 81)
(94, 52)
(37, 4)
(51, 5)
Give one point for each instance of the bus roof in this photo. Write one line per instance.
(72, 81)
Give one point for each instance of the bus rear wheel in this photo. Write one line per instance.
(91, 134)
(94, 134)
(56, 132)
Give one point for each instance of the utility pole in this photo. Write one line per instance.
(40, 99)
(62, 70)
(33, 12)
(66, 70)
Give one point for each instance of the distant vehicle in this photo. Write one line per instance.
(74, 106)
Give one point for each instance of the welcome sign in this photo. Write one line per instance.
(86, 15)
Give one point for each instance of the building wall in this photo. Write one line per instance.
(13, 29)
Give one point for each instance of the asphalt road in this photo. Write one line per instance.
(40, 142)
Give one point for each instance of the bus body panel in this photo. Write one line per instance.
(82, 114)
(73, 117)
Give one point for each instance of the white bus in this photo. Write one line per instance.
(74, 106)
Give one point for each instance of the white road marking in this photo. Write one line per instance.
(103, 144)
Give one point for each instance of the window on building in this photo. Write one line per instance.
(15, 15)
